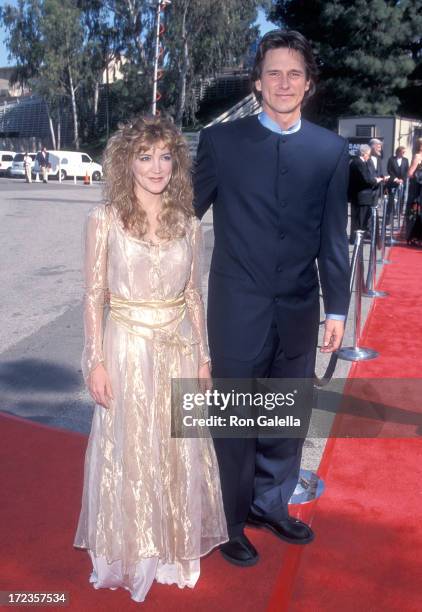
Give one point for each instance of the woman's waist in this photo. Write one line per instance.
(149, 314)
(161, 320)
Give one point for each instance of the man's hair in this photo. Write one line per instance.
(285, 39)
(364, 148)
(400, 149)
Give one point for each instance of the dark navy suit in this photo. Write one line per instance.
(279, 206)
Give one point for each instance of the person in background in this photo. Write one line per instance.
(376, 166)
(397, 169)
(43, 163)
(376, 156)
(27, 164)
(362, 184)
(414, 204)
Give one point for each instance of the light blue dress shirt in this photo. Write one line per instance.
(269, 123)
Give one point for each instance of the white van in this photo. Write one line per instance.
(71, 163)
(17, 168)
(6, 160)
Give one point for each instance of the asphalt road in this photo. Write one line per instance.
(41, 246)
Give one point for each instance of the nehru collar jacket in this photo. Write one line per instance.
(279, 208)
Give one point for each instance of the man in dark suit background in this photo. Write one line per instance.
(362, 184)
(278, 186)
(397, 169)
(43, 163)
(376, 157)
(376, 166)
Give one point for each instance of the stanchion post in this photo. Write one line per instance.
(371, 278)
(399, 205)
(382, 259)
(356, 352)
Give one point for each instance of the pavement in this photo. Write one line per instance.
(41, 248)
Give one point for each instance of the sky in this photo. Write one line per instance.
(265, 26)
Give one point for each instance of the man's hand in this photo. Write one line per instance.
(333, 335)
(204, 375)
(99, 386)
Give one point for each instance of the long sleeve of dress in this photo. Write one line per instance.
(193, 292)
(95, 275)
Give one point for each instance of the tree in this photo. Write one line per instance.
(359, 43)
(411, 95)
(46, 38)
(201, 38)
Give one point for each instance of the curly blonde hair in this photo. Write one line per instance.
(132, 140)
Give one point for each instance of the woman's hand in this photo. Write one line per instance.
(99, 386)
(204, 375)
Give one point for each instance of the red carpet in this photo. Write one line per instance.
(368, 551)
(367, 554)
(41, 483)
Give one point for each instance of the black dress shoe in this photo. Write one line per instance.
(240, 551)
(291, 530)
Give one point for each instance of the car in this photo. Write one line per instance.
(6, 160)
(17, 168)
(71, 163)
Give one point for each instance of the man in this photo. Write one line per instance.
(43, 163)
(375, 165)
(278, 187)
(376, 156)
(362, 184)
(397, 169)
(27, 164)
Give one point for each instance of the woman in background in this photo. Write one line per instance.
(151, 504)
(414, 203)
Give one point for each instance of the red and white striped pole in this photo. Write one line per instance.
(159, 51)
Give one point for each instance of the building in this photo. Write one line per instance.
(394, 131)
(8, 92)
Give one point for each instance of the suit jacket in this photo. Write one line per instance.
(42, 159)
(396, 171)
(361, 182)
(279, 204)
(376, 169)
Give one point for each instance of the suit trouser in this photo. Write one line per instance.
(359, 218)
(260, 473)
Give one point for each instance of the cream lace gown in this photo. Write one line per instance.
(151, 504)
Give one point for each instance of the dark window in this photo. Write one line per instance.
(64, 161)
(18, 157)
(86, 159)
(7, 157)
(365, 131)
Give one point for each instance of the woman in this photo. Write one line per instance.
(151, 504)
(414, 203)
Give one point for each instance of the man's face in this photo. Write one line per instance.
(376, 149)
(400, 153)
(283, 82)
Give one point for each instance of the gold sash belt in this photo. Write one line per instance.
(122, 311)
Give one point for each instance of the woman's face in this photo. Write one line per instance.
(152, 169)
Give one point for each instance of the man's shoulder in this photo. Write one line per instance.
(321, 135)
